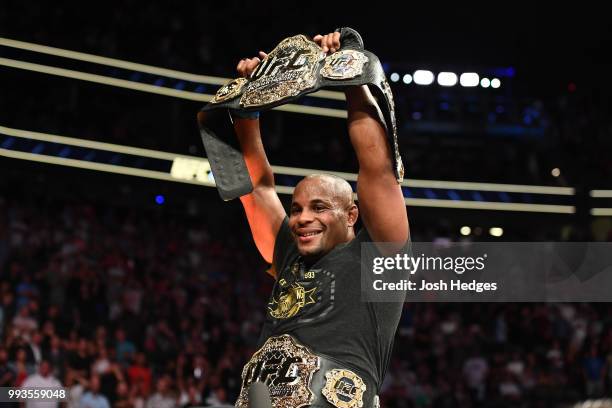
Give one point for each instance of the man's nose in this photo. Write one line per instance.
(305, 216)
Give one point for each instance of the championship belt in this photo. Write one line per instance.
(297, 377)
(297, 66)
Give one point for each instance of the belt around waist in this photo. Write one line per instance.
(297, 377)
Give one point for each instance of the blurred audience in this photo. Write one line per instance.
(89, 299)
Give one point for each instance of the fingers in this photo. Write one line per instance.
(321, 41)
(254, 62)
(243, 68)
(246, 66)
(329, 42)
(251, 64)
(335, 39)
(240, 67)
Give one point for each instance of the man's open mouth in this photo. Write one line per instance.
(306, 236)
(309, 234)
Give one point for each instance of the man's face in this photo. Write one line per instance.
(45, 369)
(162, 385)
(318, 219)
(94, 384)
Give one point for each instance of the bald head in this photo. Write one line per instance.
(339, 189)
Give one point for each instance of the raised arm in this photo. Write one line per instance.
(262, 206)
(381, 202)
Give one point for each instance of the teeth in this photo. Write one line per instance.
(309, 234)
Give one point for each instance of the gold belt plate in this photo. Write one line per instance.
(286, 367)
(288, 70)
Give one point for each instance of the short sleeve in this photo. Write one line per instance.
(283, 246)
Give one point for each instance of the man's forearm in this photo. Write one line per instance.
(367, 134)
(381, 203)
(262, 206)
(249, 137)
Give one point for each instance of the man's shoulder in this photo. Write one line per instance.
(7, 368)
(354, 245)
(92, 396)
(29, 381)
(37, 380)
(284, 246)
(156, 397)
(363, 235)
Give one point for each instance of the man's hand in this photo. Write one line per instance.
(247, 66)
(329, 42)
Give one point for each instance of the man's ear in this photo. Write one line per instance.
(353, 214)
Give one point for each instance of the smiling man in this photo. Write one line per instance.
(321, 346)
(323, 214)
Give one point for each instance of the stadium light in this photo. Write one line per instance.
(447, 79)
(496, 231)
(469, 79)
(485, 82)
(495, 83)
(465, 230)
(395, 77)
(407, 79)
(423, 77)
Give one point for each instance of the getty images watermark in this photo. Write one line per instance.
(411, 264)
(487, 272)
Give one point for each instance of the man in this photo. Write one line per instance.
(163, 397)
(92, 398)
(7, 375)
(315, 257)
(42, 379)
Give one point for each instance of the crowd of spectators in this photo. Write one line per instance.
(134, 310)
(151, 309)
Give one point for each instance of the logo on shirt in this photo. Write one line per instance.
(290, 301)
(344, 389)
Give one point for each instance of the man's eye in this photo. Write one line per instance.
(319, 208)
(295, 210)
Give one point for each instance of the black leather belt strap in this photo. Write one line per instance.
(294, 68)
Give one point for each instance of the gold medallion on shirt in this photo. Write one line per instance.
(293, 296)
